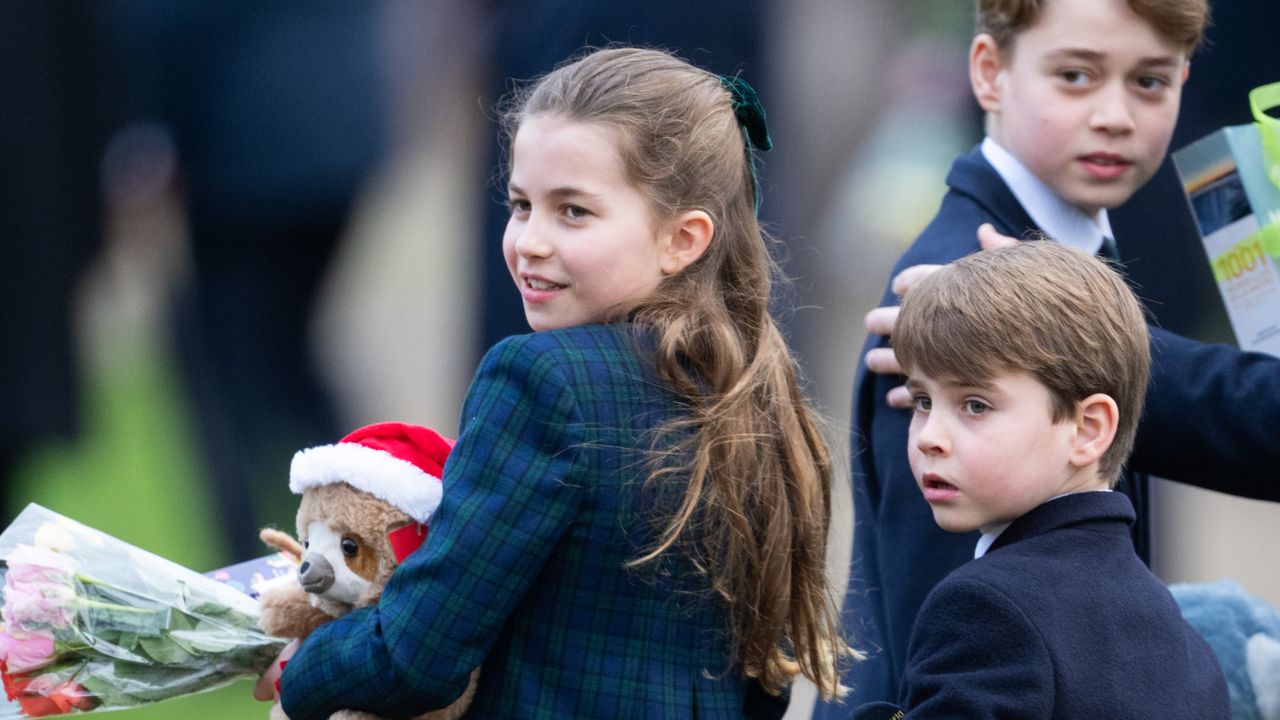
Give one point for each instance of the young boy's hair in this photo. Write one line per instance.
(1039, 307)
(753, 516)
(1182, 21)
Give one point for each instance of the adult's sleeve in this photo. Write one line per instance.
(1211, 417)
(975, 655)
(509, 494)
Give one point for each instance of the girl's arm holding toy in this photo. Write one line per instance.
(505, 509)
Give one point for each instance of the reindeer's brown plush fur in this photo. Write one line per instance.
(290, 611)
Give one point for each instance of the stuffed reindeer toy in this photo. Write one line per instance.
(364, 506)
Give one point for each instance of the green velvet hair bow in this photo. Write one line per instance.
(750, 114)
(749, 111)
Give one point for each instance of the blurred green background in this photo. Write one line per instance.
(133, 474)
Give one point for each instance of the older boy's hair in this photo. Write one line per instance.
(1182, 21)
(1038, 307)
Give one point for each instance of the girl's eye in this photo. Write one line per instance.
(518, 206)
(573, 212)
(975, 407)
(922, 403)
(349, 547)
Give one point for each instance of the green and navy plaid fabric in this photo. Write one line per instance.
(522, 570)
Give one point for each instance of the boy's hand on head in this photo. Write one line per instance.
(907, 279)
(884, 362)
(880, 321)
(990, 239)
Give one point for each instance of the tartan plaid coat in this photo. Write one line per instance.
(522, 569)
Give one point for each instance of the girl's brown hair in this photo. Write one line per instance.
(756, 505)
(1181, 21)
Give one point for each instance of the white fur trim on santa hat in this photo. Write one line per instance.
(378, 473)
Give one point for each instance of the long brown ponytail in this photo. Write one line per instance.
(756, 507)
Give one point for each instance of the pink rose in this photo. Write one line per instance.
(28, 563)
(21, 651)
(38, 591)
(35, 605)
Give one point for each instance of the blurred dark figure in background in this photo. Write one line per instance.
(531, 37)
(50, 133)
(276, 112)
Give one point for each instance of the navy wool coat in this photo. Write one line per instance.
(1210, 420)
(1060, 620)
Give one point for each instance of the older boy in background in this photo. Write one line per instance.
(1027, 368)
(1081, 98)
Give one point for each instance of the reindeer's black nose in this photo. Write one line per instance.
(315, 574)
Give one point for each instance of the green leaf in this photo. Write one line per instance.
(165, 650)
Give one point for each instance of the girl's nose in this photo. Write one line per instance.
(532, 239)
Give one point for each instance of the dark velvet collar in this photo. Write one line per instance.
(1100, 508)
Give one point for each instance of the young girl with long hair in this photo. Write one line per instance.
(634, 520)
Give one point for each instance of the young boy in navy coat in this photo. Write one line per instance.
(1081, 98)
(1027, 367)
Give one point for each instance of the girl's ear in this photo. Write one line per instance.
(1095, 420)
(985, 65)
(686, 239)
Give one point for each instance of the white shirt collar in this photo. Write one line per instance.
(988, 539)
(1059, 219)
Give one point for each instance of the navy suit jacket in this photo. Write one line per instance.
(523, 571)
(1210, 420)
(1060, 620)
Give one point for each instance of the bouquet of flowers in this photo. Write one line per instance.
(93, 623)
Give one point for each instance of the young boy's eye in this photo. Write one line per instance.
(975, 407)
(922, 403)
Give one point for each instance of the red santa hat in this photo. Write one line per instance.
(399, 463)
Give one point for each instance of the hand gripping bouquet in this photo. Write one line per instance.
(90, 622)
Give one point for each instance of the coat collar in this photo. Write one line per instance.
(1107, 511)
(1051, 212)
(972, 176)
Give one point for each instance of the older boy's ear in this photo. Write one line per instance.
(687, 238)
(1096, 419)
(985, 64)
